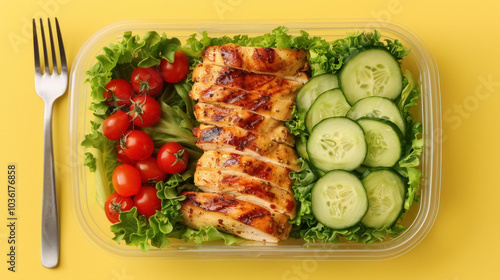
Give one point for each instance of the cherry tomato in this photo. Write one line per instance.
(137, 145)
(122, 157)
(172, 158)
(115, 204)
(146, 81)
(115, 125)
(126, 180)
(147, 202)
(150, 172)
(145, 111)
(118, 93)
(176, 71)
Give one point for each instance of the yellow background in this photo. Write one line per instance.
(464, 242)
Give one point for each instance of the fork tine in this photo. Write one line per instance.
(61, 47)
(37, 50)
(45, 56)
(53, 49)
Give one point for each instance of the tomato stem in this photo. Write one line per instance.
(138, 111)
(123, 141)
(144, 85)
(178, 157)
(114, 99)
(116, 205)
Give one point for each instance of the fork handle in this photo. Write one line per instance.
(50, 223)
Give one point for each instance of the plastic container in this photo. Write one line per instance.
(418, 220)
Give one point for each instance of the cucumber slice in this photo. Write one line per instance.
(336, 143)
(313, 88)
(339, 200)
(371, 72)
(330, 103)
(301, 148)
(386, 193)
(377, 107)
(385, 142)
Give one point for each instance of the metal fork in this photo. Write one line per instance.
(49, 87)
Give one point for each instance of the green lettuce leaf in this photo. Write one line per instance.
(183, 90)
(147, 52)
(118, 60)
(408, 98)
(90, 162)
(207, 234)
(358, 233)
(138, 231)
(103, 161)
(195, 47)
(168, 47)
(176, 122)
(408, 165)
(297, 124)
(351, 44)
(106, 67)
(304, 180)
(132, 229)
(414, 150)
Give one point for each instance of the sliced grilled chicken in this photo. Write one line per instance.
(206, 89)
(279, 62)
(221, 115)
(229, 163)
(239, 79)
(234, 216)
(239, 141)
(243, 94)
(278, 109)
(250, 190)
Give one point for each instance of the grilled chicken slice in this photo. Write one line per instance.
(247, 189)
(233, 216)
(239, 79)
(239, 141)
(279, 62)
(205, 89)
(278, 109)
(229, 163)
(226, 116)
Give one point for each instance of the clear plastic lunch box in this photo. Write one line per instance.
(418, 221)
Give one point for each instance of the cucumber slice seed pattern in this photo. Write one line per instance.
(378, 146)
(336, 145)
(373, 79)
(339, 199)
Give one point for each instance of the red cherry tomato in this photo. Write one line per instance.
(145, 111)
(126, 180)
(118, 93)
(115, 125)
(122, 157)
(115, 204)
(149, 170)
(176, 71)
(147, 202)
(146, 81)
(137, 144)
(172, 158)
